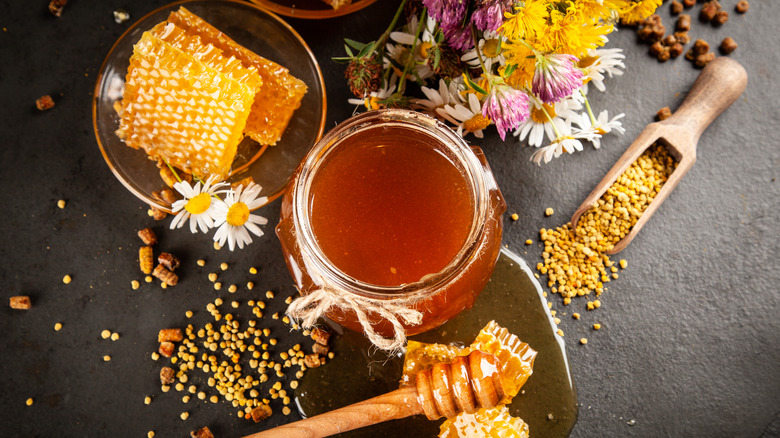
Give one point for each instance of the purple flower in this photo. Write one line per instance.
(555, 77)
(490, 15)
(451, 14)
(507, 107)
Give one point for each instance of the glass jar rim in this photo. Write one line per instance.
(457, 148)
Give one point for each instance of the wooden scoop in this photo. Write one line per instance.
(463, 385)
(720, 84)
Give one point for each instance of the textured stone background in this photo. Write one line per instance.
(690, 339)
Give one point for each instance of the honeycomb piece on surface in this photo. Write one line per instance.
(180, 110)
(494, 423)
(280, 94)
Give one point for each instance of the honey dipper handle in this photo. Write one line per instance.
(718, 86)
(393, 405)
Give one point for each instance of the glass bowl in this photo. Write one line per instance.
(256, 29)
(312, 9)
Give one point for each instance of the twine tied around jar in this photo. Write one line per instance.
(308, 308)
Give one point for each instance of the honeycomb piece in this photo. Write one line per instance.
(206, 53)
(280, 94)
(516, 358)
(493, 423)
(180, 110)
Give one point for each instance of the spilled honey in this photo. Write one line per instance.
(547, 402)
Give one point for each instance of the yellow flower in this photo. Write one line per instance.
(596, 9)
(527, 21)
(525, 59)
(638, 10)
(574, 32)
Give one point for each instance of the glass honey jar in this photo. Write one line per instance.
(393, 221)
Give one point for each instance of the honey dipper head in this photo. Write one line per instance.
(465, 384)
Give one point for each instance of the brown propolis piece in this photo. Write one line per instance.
(56, 7)
(664, 113)
(21, 302)
(167, 375)
(170, 261)
(203, 432)
(147, 236)
(312, 360)
(728, 45)
(170, 335)
(145, 259)
(165, 275)
(320, 336)
(166, 349)
(44, 103)
(261, 412)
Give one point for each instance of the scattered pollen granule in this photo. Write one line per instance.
(61, 203)
(66, 279)
(574, 259)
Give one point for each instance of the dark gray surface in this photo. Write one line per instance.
(690, 339)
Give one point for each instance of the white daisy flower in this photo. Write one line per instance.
(603, 125)
(405, 40)
(198, 204)
(407, 37)
(372, 100)
(448, 93)
(568, 140)
(490, 47)
(538, 124)
(233, 217)
(466, 118)
(599, 62)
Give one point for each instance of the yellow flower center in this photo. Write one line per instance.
(538, 115)
(423, 49)
(198, 203)
(586, 61)
(476, 123)
(491, 48)
(371, 102)
(237, 214)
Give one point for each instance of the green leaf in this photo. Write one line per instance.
(357, 45)
(510, 68)
(436, 58)
(366, 50)
(349, 52)
(476, 87)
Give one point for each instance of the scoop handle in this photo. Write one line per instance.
(718, 86)
(393, 405)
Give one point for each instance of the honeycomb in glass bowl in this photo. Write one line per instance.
(182, 110)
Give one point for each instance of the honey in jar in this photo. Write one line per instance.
(393, 206)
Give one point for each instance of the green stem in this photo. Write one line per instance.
(380, 43)
(587, 106)
(410, 59)
(479, 52)
(172, 170)
(541, 105)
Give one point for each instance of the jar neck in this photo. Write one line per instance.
(448, 143)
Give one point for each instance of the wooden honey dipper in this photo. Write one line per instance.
(463, 385)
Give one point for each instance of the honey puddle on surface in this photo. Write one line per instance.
(513, 299)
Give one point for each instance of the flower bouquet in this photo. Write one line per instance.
(522, 66)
